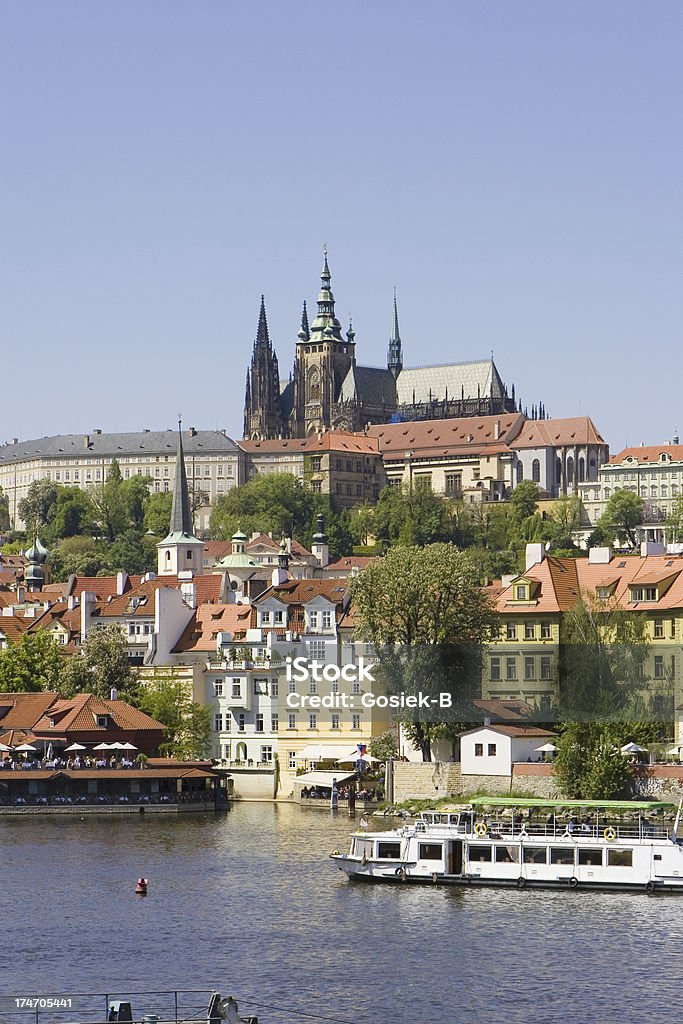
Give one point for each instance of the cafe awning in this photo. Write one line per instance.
(324, 778)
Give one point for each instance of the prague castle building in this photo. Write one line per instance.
(328, 390)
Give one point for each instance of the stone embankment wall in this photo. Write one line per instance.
(436, 779)
(432, 780)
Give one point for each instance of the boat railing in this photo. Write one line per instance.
(187, 1006)
(587, 830)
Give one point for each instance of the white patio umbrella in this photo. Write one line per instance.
(117, 746)
(633, 748)
(25, 747)
(74, 746)
(5, 748)
(674, 750)
(103, 746)
(547, 748)
(128, 746)
(352, 758)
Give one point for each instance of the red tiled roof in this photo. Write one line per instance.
(24, 709)
(102, 586)
(79, 714)
(649, 453)
(200, 634)
(303, 591)
(574, 430)
(466, 436)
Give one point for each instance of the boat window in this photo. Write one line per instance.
(479, 854)
(362, 847)
(507, 854)
(428, 817)
(430, 851)
(535, 855)
(453, 819)
(440, 819)
(561, 855)
(620, 858)
(391, 851)
(658, 856)
(590, 857)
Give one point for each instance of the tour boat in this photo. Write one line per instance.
(535, 843)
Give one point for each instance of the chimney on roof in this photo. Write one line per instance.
(86, 440)
(677, 439)
(113, 693)
(71, 602)
(121, 581)
(192, 432)
(496, 430)
(15, 440)
(535, 553)
(487, 722)
(599, 556)
(21, 594)
(97, 430)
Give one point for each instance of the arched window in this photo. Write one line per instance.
(536, 471)
(570, 470)
(520, 472)
(607, 492)
(653, 492)
(558, 471)
(582, 469)
(665, 491)
(314, 383)
(591, 468)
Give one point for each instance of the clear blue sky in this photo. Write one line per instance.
(514, 168)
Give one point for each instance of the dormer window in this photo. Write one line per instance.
(102, 721)
(603, 593)
(643, 594)
(521, 592)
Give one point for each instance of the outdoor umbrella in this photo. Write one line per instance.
(128, 746)
(633, 748)
(674, 750)
(352, 758)
(547, 748)
(5, 748)
(103, 746)
(25, 747)
(75, 746)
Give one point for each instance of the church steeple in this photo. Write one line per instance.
(395, 356)
(262, 411)
(180, 551)
(326, 322)
(305, 332)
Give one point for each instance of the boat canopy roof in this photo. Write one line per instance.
(606, 805)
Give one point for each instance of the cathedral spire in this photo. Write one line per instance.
(395, 356)
(305, 332)
(262, 338)
(181, 518)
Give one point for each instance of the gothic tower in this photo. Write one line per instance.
(262, 414)
(323, 358)
(395, 356)
(180, 551)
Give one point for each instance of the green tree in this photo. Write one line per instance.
(158, 513)
(4, 512)
(271, 503)
(674, 520)
(32, 664)
(623, 514)
(188, 724)
(385, 746)
(412, 514)
(109, 501)
(603, 652)
(134, 496)
(37, 507)
(72, 514)
(132, 552)
(427, 616)
(524, 501)
(589, 764)
(101, 666)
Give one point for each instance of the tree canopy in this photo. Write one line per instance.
(623, 514)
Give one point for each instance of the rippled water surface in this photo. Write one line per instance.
(248, 903)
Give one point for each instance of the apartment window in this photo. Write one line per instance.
(316, 463)
(327, 620)
(545, 631)
(659, 666)
(312, 721)
(266, 754)
(659, 629)
(529, 668)
(273, 688)
(240, 722)
(335, 722)
(259, 723)
(220, 471)
(291, 721)
(355, 686)
(291, 686)
(453, 483)
(291, 759)
(312, 686)
(491, 750)
(236, 691)
(334, 686)
(495, 669)
(274, 723)
(218, 688)
(546, 672)
(316, 486)
(510, 668)
(355, 721)
(260, 687)
(529, 630)
(672, 629)
(478, 749)
(313, 620)
(218, 723)
(511, 630)
(520, 592)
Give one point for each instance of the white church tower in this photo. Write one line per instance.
(180, 552)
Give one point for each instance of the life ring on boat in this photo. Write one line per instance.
(521, 882)
(610, 834)
(480, 828)
(650, 886)
(401, 873)
(573, 882)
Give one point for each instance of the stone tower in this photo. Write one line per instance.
(323, 358)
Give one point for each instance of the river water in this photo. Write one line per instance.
(248, 903)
